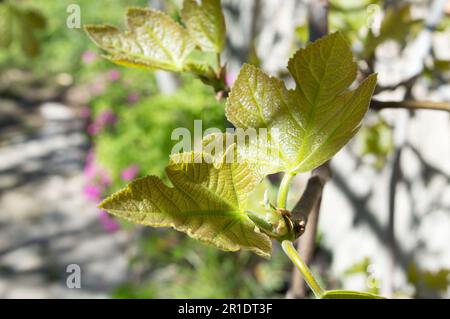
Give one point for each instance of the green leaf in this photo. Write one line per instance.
(205, 23)
(6, 21)
(20, 23)
(397, 25)
(34, 19)
(423, 280)
(347, 294)
(315, 120)
(261, 154)
(207, 201)
(153, 41)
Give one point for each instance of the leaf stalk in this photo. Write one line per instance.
(309, 278)
(284, 190)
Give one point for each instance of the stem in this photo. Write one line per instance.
(410, 105)
(284, 189)
(219, 63)
(291, 252)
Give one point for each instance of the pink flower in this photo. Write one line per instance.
(230, 78)
(90, 156)
(106, 117)
(109, 224)
(89, 170)
(113, 75)
(93, 192)
(97, 88)
(129, 173)
(88, 57)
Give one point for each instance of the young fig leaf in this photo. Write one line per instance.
(318, 117)
(153, 41)
(207, 201)
(205, 23)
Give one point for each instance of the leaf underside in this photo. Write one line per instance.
(206, 201)
(209, 193)
(205, 23)
(314, 120)
(153, 41)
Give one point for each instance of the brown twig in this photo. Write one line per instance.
(307, 209)
(406, 83)
(309, 205)
(410, 105)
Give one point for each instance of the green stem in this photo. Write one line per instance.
(284, 189)
(291, 252)
(219, 64)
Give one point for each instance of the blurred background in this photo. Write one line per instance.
(74, 128)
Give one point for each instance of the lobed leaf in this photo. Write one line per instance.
(314, 120)
(153, 41)
(207, 201)
(205, 23)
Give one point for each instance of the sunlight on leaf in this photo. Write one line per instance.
(207, 201)
(315, 120)
(205, 23)
(153, 41)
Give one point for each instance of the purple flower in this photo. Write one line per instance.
(88, 57)
(133, 98)
(109, 224)
(113, 75)
(93, 129)
(129, 173)
(106, 117)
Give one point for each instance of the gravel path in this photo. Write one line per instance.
(46, 223)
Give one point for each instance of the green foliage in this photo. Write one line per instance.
(363, 268)
(20, 23)
(177, 267)
(155, 41)
(397, 25)
(142, 134)
(64, 46)
(208, 194)
(428, 282)
(350, 17)
(377, 141)
(316, 119)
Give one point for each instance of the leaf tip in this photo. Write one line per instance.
(96, 32)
